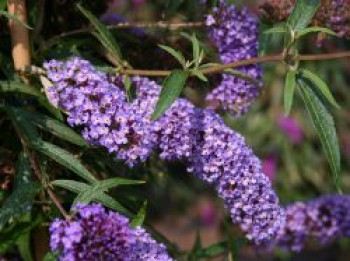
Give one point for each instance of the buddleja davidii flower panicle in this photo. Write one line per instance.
(235, 35)
(95, 233)
(322, 220)
(198, 137)
(98, 102)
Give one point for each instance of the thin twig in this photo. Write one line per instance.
(124, 25)
(262, 59)
(219, 68)
(37, 170)
(34, 161)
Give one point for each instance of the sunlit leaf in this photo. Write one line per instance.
(140, 217)
(172, 88)
(302, 14)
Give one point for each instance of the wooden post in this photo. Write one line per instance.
(19, 34)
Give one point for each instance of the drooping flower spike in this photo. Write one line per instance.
(235, 35)
(211, 150)
(322, 220)
(98, 234)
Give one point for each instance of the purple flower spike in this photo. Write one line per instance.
(322, 220)
(98, 234)
(235, 35)
(199, 138)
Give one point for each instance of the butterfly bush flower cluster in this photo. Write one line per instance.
(198, 137)
(97, 234)
(235, 34)
(322, 220)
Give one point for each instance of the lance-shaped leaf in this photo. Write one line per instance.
(276, 30)
(171, 90)
(320, 85)
(14, 86)
(176, 54)
(289, 89)
(103, 35)
(324, 125)
(80, 187)
(316, 29)
(15, 18)
(66, 159)
(22, 197)
(25, 127)
(56, 127)
(302, 14)
(102, 186)
(140, 216)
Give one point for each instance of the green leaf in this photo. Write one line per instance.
(23, 169)
(103, 35)
(15, 18)
(195, 50)
(213, 250)
(199, 75)
(315, 29)
(320, 85)
(24, 126)
(325, 128)
(138, 220)
(18, 87)
(102, 186)
(289, 89)
(80, 187)
(66, 159)
(176, 54)
(24, 249)
(171, 90)
(71, 185)
(276, 30)
(302, 14)
(56, 127)
(14, 86)
(22, 197)
(9, 238)
(51, 256)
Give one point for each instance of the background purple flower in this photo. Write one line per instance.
(269, 167)
(291, 128)
(322, 220)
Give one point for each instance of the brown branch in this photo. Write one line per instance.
(38, 172)
(220, 68)
(34, 161)
(262, 59)
(19, 34)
